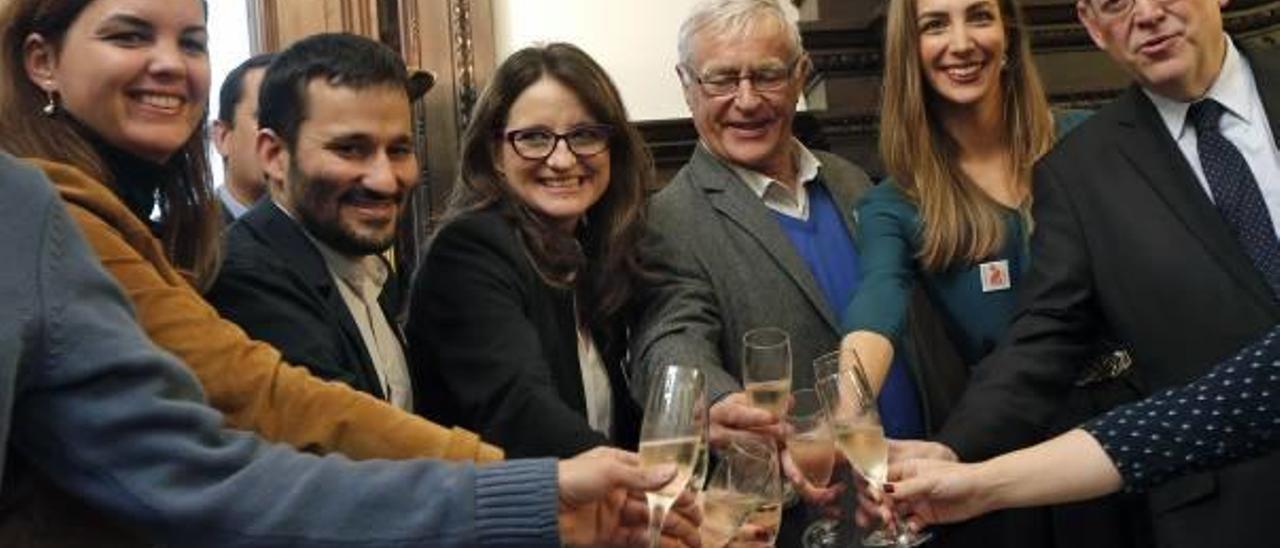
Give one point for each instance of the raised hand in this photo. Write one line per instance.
(602, 502)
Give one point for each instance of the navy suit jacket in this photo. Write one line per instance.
(1128, 245)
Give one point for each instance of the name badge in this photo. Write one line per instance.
(995, 276)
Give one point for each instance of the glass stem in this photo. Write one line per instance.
(891, 526)
(657, 513)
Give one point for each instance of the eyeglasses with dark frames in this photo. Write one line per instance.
(763, 79)
(538, 143)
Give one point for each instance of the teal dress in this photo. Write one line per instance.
(889, 240)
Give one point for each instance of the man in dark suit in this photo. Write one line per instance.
(235, 136)
(1154, 226)
(304, 270)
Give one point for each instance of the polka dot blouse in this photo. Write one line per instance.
(1229, 415)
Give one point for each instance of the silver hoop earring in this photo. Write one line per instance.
(50, 108)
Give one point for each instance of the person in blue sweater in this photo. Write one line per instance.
(87, 398)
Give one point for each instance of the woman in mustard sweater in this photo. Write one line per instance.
(112, 109)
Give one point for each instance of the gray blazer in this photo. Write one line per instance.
(723, 266)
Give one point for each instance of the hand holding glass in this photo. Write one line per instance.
(851, 408)
(812, 449)
(673, 427)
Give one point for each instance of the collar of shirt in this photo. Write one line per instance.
(1231, 89)
(356, 272)
(229, 201)
(777, 196)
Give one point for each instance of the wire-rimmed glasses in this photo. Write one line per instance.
(724, 82)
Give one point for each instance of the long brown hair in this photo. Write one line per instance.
(959, 222)
(190, 224)
(604, 268)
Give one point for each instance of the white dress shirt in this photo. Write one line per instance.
(359, 281)
(595, 384)
(777, 196)
(1245, 124)
(229, 201)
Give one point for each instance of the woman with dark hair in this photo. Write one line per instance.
(517, 324)
(109, 98)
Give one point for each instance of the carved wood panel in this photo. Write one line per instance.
(279, 23)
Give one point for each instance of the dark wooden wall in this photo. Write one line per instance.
(845, 44)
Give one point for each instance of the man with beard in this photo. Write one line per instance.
(304, 271)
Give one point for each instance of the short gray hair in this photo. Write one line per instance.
(733, 17)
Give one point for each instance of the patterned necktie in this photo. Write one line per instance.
(1235, 192)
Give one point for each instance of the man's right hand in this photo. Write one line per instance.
(733, 417)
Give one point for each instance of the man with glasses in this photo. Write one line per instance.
(1156, 226)
(756, 230)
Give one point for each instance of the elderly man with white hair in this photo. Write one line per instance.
(756, 230)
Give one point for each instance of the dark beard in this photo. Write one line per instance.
(331, 232)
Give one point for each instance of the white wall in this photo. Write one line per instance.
(634, 40)
(228, 46)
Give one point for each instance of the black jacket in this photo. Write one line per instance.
(1127, 244)
(275, 285)
(494, 348)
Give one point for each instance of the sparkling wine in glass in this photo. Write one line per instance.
(767, 513)
(766, 368)
(855, 421)
(736, 490)
(673, 428)
(812, 448)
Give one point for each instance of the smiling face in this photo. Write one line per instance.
(136, 72)
(750, 128)
(1172, 47)
(352, 168)
(962, 49)
(562, 187)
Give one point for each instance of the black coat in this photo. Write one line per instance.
(275, 285)
(1128, 245)
(494, 347)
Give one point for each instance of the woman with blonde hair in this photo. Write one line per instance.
(964, 117)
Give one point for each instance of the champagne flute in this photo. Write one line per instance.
(767, 513)
(735, 491)
(702, 458)
(672, 429)
(766, 368)
(855, 421)
(812, 448)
